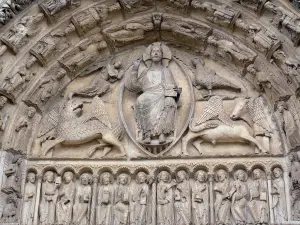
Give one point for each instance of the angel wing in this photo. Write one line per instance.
(99, 112)
(259, 117)
(50, 121)
(214, 108)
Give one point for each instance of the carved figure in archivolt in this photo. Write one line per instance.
(83, 199)
(261, 126)
(4, 116)
(200, 198)
(19, 34)
(238, 195)
(104, 208)
(222, 197)
(73, 126)
(122, 199)
(278, 196)
(283, 18)
(23, 131)
(258, 203)
(29, 200)
(287, 125)
(13, 175)
(155, 108)
(164, 209)
(182, 199)
(9, 214)
(48, 198)
(15, 83)
(136, 6)
(206, 78)
(87, 19)
(140, 199)
(112, 73)
(52, 7)
(232, 50)
(222, 14)
(214, 126)
(48, 87)
(134, 30)
(65, 201)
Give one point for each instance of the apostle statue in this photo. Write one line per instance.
(66, 193)
(104, 208)
(29, 200)
(140, 199)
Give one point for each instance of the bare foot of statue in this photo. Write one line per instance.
(162, 138)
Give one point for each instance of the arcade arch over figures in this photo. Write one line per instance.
(137, 112)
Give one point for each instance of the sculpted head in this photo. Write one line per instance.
(31, 177)
(106, 178)
(61, 73)
(181, 176)
(141, 177)
(240, 175)
(123, 179)
(277, 172)
(31, 112)
(156, 53)
(49, 176)
(201, 176)
(86, 179)
(280, 106)
(117, 64)
(257, 174)
(164, 176)
(68, 177)
(221, 175)
(3, 100)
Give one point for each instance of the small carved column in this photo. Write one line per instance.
(153, 206)
(211, 198)
(287, 194)
(2, 160)
(94, 199)
(37, 200)
(269, 178)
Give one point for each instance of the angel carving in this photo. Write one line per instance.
(71, 125)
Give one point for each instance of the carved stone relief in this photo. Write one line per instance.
(19, 35)
(146, 112)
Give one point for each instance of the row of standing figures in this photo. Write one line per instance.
(179, 201)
